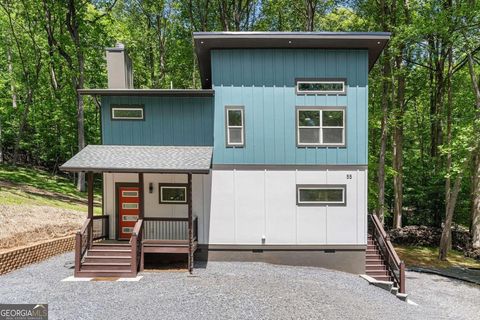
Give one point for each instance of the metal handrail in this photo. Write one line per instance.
(388, 251)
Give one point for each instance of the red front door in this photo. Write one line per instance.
(128, 210)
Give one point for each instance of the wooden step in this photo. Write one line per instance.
(375, 267)
(373, 256)
(105, 273)
(375, 273)
(95, 266)
(107, 259)
(111, 246)
(374, 260)
(107, 252)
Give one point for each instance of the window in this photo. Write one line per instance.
(234, 122)
(129, 205)
(320, 127)
(174, 194)
(321, 87)
(127, 112)
(321, 195)
(130, 194)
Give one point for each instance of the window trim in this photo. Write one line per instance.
(342, 187)
(320, 109)
(321, 80)
(115, 107)
(228, 144)
(172, 186)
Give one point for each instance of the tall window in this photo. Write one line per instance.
(321, 195)
(321, 87)
(320, 127)
(127, 112)
(235, 129)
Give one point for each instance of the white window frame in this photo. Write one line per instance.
(141, 108)
(321, 127)
(163, 201)
(127, 203)
(322, 187)
(125, 195)
(342, 82)
(228, 126)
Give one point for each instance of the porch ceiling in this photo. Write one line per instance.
(105, 158)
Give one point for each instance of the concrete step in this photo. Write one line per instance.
(105, 273)
(381, 278)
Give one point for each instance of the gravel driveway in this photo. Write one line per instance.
(236, 291)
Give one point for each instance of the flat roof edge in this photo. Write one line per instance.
(149, 92)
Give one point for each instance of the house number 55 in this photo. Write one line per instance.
(349, 176)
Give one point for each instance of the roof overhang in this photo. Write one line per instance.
(136, 159)
(374, 42)
(149, 92)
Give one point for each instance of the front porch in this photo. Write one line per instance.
(115, 244)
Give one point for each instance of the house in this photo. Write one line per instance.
(267, 162)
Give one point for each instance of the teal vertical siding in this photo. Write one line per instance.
(180, 121)
(263, 80)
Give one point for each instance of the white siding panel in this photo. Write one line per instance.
(311, 222)
(280, 218)
(222, 210)
(249, 206)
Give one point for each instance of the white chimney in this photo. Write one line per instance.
(119, 68)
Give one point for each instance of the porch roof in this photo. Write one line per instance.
(108, 158)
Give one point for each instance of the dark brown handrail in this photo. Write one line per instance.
(388, 251)
(164, 219)
(136, 245)
(83, 240)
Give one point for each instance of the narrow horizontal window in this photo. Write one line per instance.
(173, 194)
(129, 205)
(129, 217)
(235, 129)
(127, 229)
(130, 194)
(321, 195)
(321, 87)
(127, 112)
(320, 127)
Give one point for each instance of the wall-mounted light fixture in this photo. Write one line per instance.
(150, 187)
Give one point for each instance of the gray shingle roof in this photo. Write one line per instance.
(105, 158)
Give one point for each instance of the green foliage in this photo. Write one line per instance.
(38, 107)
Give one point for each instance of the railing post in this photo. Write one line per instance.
(90, 207)
(402, 277)
(78, 249)
(190, 223)
(134, 253)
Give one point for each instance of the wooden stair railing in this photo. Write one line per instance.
(393, 262)
(136, 243)
(90, 231)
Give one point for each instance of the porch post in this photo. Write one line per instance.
(90, 206)
(141, 195)
(190, 224)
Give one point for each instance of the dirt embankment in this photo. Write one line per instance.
(28, 224)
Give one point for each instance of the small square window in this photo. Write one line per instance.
(127, 112)
(321, 195)
(173, 194)
(234, 126)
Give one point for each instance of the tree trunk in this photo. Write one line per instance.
(449, 210)
(475, 230)
(398, 145)
(383, 138)
(78, 81)
(311, 6)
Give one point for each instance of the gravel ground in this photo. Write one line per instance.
(236, 291)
